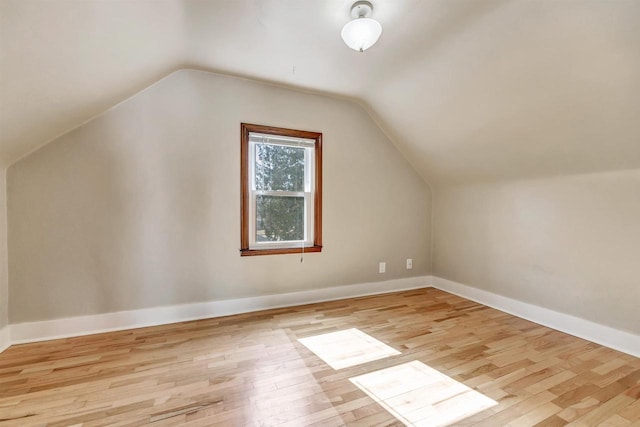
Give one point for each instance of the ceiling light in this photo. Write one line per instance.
(363, 32)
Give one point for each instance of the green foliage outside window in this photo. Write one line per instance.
(279, 168)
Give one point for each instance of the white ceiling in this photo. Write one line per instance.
(64, 61)
(467, 89)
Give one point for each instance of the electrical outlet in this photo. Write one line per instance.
(382, 267)
(409, 263)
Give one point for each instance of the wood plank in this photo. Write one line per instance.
(250, 369)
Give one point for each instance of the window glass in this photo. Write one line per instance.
(279, 218)
(279, 167)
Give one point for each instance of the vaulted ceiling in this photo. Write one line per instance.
(466, 89)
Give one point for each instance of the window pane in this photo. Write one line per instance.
(279, 218)
(279, 168)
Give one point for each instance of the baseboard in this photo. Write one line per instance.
(4, 338)
(85, 325)
(625, 342)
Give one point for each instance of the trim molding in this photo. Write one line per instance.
(616, 339)
(85, 325)
(5, 342)
(20, 333)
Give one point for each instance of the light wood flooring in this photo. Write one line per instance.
(251, 370)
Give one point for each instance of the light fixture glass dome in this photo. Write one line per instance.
(361, 33)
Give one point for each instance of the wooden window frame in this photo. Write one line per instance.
(245, 130)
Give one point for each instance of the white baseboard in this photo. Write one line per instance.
(625, 342)
(4, 338)
(85, 325)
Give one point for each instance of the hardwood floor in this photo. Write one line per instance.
(250, 369)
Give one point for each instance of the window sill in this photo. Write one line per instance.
(278, 251)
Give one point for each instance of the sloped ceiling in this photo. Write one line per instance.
(467, 89)
(62, 62)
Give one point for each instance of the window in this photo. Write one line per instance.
(281, 178)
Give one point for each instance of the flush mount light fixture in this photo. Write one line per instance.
(363, 32)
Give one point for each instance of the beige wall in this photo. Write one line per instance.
(140, 207)
(4, 284)
(571, 243)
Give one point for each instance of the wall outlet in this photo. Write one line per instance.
(382, 267)
(409, 263)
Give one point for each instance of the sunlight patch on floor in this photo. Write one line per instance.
(347, 348)
(419, 395)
